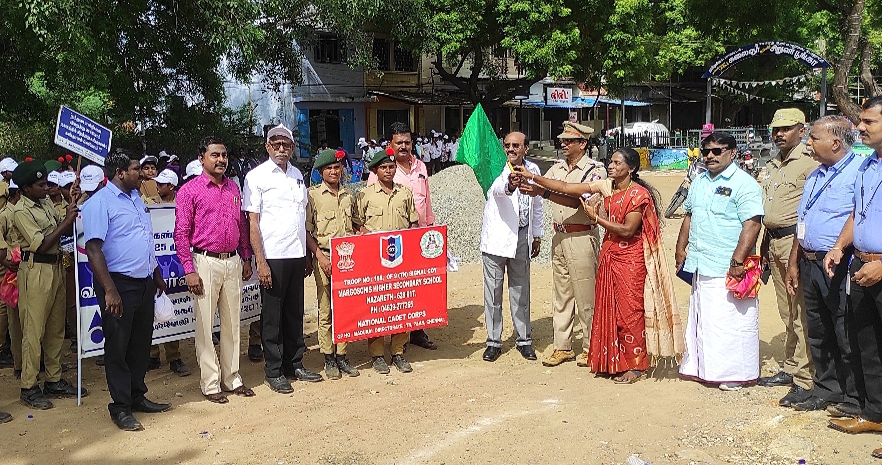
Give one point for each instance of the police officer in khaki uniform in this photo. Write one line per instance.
(782, 190)
(10, 238)
(41, 285)
(386, 206)
(574, 246)
(329, 212)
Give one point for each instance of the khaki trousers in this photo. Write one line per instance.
(797, 359)
(323, 294)
(573, 269)
(254, 333)
(41, 306)
(15, 336)
(222, 291)
(4, 320)
(396, 347)
(172, 351)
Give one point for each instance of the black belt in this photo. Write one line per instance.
(222, 255)
(40, 257)
(817, 256)
(780, 233)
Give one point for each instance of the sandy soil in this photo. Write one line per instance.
(454, 407)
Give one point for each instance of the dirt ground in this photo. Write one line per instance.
(454, 408)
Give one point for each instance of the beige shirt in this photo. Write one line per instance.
(585, 170)
(329, 215)
(10, 238)
(782, 187)
(36, 220)
(378, 211)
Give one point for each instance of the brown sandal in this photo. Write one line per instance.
(638, 375)
(243, 391)
(217, 398)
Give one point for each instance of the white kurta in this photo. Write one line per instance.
(722, 334)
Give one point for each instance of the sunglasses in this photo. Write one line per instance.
(716, 151)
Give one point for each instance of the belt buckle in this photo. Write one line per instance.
(225, 255)
(561, 228)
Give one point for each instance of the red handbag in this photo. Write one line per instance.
(9, 283)
(747, 287)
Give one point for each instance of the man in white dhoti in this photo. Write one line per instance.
(724, 211)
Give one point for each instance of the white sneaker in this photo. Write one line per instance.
(730, 386)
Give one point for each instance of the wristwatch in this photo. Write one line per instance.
(537, 239)
(546, 194)
(734, 263)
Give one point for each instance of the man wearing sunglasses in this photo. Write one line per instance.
(723, 213)
(782, 191)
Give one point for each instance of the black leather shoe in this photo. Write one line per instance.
(154, 364)
(148, 406)
(99, 360)
(34, 398)
(780, 379)
(491, 354)
(126, 421)
(5, 417)
(527, 352)
(280, 385)
(302, 374)
(346, 367)
(811, 404)
(419, 338)
(401, 364)
(795, 396)
(179, 368)
(255, 352)
(844, 410)
(62, 389)
(379, 364)
(6, 360)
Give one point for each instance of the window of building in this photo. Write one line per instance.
(385, 118)
(381, 54)
(404, 60)
(330, 49)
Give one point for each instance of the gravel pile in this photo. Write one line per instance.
(458, 202)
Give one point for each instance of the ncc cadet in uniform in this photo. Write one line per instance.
(386, 206)
(574, 246)
(329, 213)
(6, 167)
(41, 285)
(782, 192)
(9, 239)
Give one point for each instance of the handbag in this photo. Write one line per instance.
(747, 287)
(9, 283)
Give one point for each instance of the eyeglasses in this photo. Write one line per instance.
(716, 151)
(281, 145)
(570, 141)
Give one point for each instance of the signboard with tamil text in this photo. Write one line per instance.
(82, 136)
(558, 96)
(388, 282)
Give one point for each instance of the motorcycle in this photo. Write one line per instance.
(695, 169)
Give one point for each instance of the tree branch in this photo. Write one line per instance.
(870, 85)
(850, 30)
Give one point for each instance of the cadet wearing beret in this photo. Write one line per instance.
(329, 213)
(377, 209)
(41, 285)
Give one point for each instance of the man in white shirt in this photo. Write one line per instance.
(511, 218)
(275, 199)
(426, 152)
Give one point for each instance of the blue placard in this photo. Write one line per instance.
(82, 136)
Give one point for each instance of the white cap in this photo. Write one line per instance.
(162, 154)
(172, 158)
(279, 130)
(66, 177)
(53, 177)
(384, 143)
(149, 159)
(167, 177)
(12, 185)
(90, 177)
(445, 137)
(194, 168)
(362, 142)
(373, 141)
(8, 164)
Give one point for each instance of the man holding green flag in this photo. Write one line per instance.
(480, 148)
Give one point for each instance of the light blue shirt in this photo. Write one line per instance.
(834, 204)
(868, 206)
(123, 223)
(719, 206)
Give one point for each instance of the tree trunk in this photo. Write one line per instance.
(870, 85)
(850, 28)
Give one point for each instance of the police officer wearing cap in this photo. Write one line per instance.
(782, 191)
(329, 212)
(41, 286)
(379, 207)
(827, 202)
(574, 246)
(861, 231)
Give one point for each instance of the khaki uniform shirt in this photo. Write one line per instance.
(585, 170)
(60, 207)
(10, 238)
(329, 215)
(378, 211)
(35, 220)
(4, 192)
(149, 190)
(782, 187)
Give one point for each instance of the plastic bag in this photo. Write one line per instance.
(163, 309)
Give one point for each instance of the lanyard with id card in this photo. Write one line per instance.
(801, 226)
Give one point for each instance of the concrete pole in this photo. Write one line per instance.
(823, 109)
(707, 106)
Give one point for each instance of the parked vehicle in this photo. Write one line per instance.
(695, 169)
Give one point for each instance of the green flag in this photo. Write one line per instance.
(480, 148)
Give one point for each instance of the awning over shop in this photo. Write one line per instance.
(578, 102)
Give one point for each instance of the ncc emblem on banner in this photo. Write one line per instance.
(391, 251)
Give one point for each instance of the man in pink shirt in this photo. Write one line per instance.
(411, 172)
(212, 241)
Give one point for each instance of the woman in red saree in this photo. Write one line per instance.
(635, 315)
